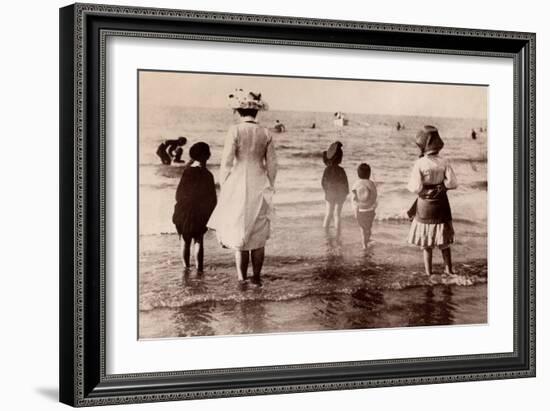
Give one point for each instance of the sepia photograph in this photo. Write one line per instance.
(278, 204)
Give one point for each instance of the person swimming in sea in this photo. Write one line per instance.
(168, 150)
(279, 127)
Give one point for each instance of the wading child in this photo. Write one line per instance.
(195, 201)
(431, 177)
(363, 201)
(335, 185)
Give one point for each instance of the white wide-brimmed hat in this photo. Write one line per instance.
(247, 100)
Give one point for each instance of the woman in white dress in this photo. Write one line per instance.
(247, 178)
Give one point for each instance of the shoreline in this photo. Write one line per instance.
(313, 280)
(416, 307)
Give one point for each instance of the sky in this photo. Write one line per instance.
(314, 94)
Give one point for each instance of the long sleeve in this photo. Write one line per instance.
(228, 155)
(415, 180)
(450, 177)
(271, 162)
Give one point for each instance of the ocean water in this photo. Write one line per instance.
(313, 281)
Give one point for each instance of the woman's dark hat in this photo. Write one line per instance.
(200, 152)
(428, 140)
(334, 153)
(334, 150)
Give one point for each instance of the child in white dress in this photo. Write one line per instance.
(431, 177)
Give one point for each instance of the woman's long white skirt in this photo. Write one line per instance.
(242, 218)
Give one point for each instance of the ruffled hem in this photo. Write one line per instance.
(431, 235)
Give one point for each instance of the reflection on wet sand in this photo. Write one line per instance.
(363, 309)
(436, 308)
(329, 284)
(354, 305)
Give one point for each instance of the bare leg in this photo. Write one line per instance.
(328, 215)
(368, 229)
(364, 237)
(367, 234)
(185, 252)
(241, 261)
(428, 261)
(257, 263)
(198, 251)
(446, 254)
(338, 219)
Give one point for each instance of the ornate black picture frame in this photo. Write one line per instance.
(83, 31)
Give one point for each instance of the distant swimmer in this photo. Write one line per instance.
(474, 134)
(279, 127)
(313, 125)
(398, 126)
(168, 150)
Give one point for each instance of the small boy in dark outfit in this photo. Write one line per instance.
(335, 184)
(195, 202)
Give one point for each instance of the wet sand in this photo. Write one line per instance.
(312, 282)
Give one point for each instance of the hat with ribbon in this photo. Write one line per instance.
(246, 100)
(428, 140)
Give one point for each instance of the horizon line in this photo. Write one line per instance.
(317, 111)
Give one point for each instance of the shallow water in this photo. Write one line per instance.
(361, 309)
(299, 151)
(312, 281)
(332, 284)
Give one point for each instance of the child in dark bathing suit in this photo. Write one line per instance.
(335, 185)
(195, 202)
